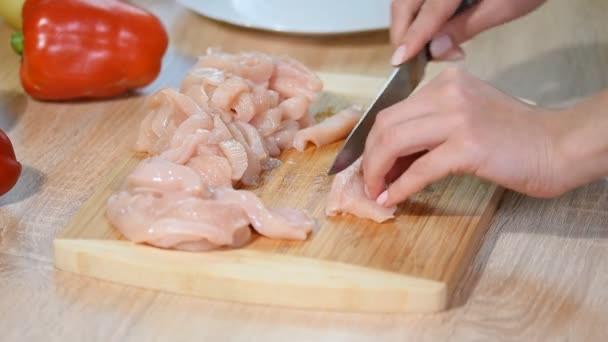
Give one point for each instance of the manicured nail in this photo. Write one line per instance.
(399, 55)
(382, 198)
(441, 45)
(454, 55)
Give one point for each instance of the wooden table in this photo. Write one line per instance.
(542, 273)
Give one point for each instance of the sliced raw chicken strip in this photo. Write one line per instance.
(295, 108)
(284, 137)
(330, 130)
(209, 150)
(190, 126)
(347, 196)
(205, 78)
(269, 122)
(276, 224)
(272, 146)
(237, 156)
(180, 154)
(167, 109)
(220, 131)
(307, 120)
(244, 107)
(264, 99)
(160, 175)
(254, 140)
(170, 220)
(292, 78)
(254, 66)
(200, 83)
(218, 59)
(251, 175)
(214, 170)
(228, 92)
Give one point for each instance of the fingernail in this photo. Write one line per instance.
(366, 190)
(382, 198)
(454, 55)
(441, 45)
(399, 55)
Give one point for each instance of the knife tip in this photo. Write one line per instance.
(332, 171)
(342, 161)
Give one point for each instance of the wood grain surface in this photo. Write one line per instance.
(429, 244)
(541, 273)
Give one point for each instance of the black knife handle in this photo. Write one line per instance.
(464, 5)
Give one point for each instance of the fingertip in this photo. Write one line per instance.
(370, 186)
(438, 50)
(372, 189)
(383, 198)
(373, 192)
(440, 45)
(393, 197)
(399, 56)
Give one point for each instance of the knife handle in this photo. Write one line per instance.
(464, 5)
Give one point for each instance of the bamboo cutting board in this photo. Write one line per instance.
(410, 264)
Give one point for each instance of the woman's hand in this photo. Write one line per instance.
(458, 124)
(416, 22)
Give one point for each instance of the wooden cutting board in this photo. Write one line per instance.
(410, 264)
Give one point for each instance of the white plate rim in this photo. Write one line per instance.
(238, 21)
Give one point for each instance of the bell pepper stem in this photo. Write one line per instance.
(17, 42)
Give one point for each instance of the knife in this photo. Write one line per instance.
(400, 84)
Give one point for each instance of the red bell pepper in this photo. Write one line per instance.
(10, 168)
(87, 48)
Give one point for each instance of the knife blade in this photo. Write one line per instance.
(399, 85)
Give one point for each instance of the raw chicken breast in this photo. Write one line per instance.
(168, 109)
(220, 130)
(228, 92)
(179, 221)
(253, 66)
(234, 113)
(213, 170)
(307, 120)
(276, 224)
(254, 140)
(209, 150)
(284, 137)
(207, 79)
(264, 99)
(292, 78)
(347, 196)
(180, 154)
(330, 130)
(196, 122)
(251, 175)
(160, 175)
(237, 156)
(272, 146)
(244, 107)
(244, 162)
(295, 108)
(269, 122)
(200, 83)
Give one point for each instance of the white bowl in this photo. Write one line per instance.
(298, 16)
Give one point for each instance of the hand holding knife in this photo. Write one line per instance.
(400, 84)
